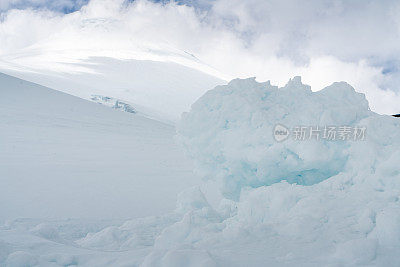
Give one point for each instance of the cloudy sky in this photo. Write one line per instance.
(357, 41)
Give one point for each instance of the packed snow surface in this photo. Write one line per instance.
(63, 157)
(314, 202)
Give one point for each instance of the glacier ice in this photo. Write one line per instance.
(114, 103)
(312, 202)
(228, 132)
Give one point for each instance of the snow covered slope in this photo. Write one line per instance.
(64, 157)
(292, 202)
(161, 89)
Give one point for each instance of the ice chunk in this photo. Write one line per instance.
(229, 132)
(294, 202)
(114, 103)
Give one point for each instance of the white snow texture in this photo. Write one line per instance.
(291, 203)
(313, 202)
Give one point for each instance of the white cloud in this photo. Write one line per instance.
(324, 41)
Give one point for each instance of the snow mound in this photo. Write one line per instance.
(296, 202)
(229, 132)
